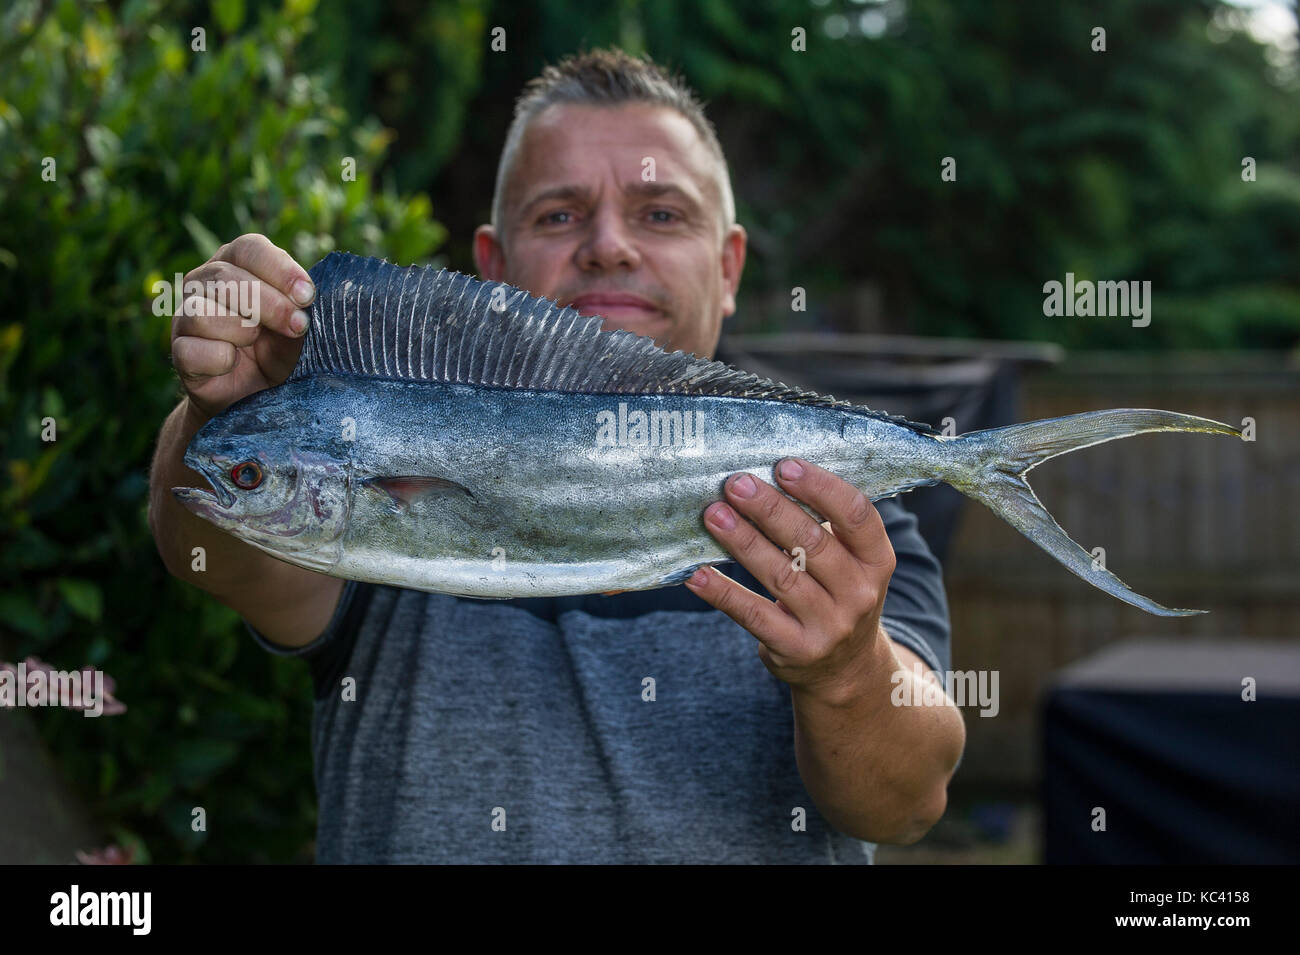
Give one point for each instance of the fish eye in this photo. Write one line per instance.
(247, 475)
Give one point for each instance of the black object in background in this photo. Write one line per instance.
(1157, 734)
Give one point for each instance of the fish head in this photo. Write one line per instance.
(288, 500)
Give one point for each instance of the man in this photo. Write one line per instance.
(642, 727)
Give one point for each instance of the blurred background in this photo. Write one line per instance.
(1170, 156)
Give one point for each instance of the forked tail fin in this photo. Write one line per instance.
(991, 467)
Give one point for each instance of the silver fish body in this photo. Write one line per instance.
(538, 500)
(449, 435)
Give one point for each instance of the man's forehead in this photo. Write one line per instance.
(618, 123)
(568, 143)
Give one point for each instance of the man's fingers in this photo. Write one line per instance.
(777, 630)
(771, 566)
(783, 522)
(204, 318)
(257, 254)
(198, 359)
(857, 523)
(242, 292)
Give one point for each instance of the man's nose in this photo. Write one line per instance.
(608, 244)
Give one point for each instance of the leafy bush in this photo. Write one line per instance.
(160, 152)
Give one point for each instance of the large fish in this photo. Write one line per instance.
(446, 434)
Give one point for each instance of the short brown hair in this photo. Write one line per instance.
(608, 77)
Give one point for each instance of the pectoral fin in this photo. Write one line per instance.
(407, 489)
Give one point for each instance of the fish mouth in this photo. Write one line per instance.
(217, 501)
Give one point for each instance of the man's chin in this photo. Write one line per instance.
(658, 329)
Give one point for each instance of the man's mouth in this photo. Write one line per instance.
(619, 306)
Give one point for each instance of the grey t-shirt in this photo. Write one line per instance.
(635, 728)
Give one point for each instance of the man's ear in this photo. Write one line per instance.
(733, 263)
(489, 256)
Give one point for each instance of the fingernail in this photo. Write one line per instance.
(743, 486)
(698, 578)
(298, 322)
(303, 292)
(790, 469)
(721, 517)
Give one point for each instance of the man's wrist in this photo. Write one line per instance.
(861, 681)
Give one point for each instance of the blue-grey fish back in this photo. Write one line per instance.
(374, 319)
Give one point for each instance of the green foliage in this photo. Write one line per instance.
(1124, 164)
(161, 152)
(414, 64)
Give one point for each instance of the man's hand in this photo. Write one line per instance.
(220, 353)
(819, 634)
(877, 771)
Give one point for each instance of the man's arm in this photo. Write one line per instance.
(221, 359)
(877, 771)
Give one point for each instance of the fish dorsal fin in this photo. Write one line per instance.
(373, 319)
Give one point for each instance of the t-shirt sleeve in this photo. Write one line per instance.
(328, 654)
(916, 607)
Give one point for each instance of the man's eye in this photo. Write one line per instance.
(559, 217)
(663, 215)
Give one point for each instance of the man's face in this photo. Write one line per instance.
(582, 225)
